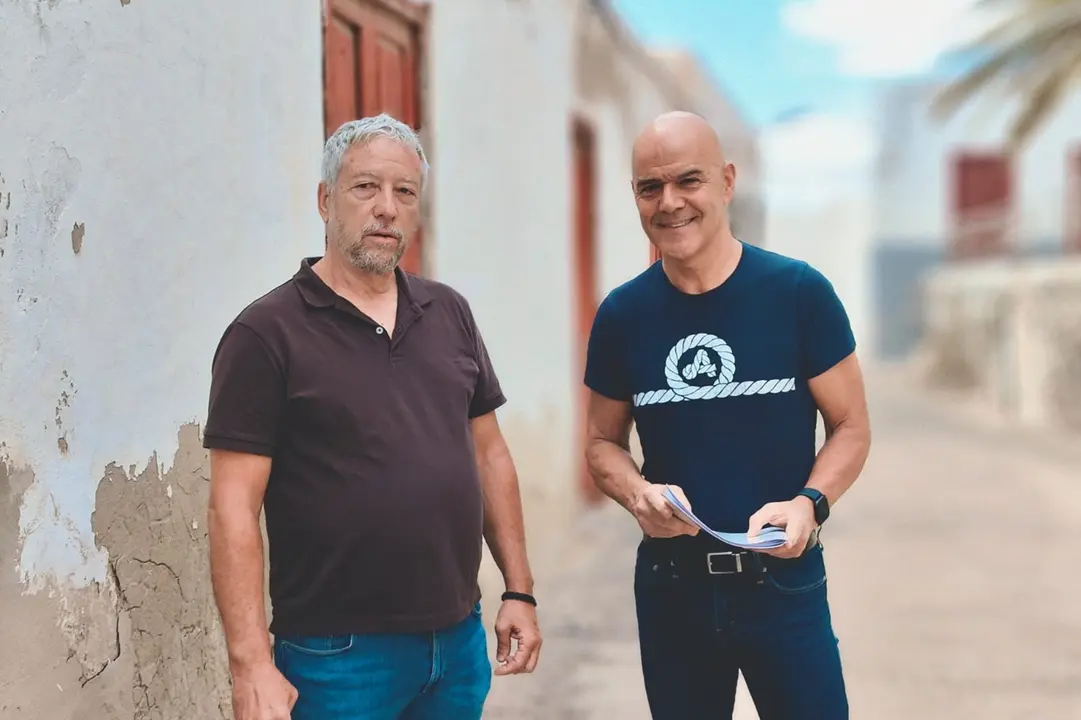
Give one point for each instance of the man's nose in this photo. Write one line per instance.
(670, 200)
(386, 204)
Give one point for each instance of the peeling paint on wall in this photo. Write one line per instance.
(152, 527)
(146, 643)
(77, 234)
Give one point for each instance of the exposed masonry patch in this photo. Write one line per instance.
(153, 528)
(62, 640)
(145, 644)
(77, 234)
(62, 404)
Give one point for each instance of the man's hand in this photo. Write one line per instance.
(517, 621)
(796, 516)
(656, 517)
(261, 692)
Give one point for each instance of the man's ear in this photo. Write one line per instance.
(323, 200)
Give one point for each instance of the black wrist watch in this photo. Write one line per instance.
(821, 504)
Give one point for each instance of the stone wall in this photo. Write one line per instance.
(1008, 333)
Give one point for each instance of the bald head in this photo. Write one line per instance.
(677, 134)
(682, 185)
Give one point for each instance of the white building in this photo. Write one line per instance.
(158, 168)
(919, 192)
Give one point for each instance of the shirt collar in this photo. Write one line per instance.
(318, 294)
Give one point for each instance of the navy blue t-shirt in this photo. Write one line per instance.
(717, 382)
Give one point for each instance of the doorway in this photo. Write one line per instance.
(585, 299)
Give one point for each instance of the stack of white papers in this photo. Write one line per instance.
(767, 539)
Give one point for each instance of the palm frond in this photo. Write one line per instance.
(1046, 96)
(1036, 50)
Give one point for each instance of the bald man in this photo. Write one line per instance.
(722, 355)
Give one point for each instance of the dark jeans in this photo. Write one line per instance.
(442, 675)
(698, 631)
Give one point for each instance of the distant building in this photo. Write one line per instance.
(949, 191)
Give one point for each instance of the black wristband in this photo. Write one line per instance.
(524, 597)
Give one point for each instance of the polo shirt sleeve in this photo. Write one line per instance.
(825, 333)
(606, 372)
(487, 394)
(247, 394)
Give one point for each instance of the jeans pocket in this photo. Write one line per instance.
(316, 645)
(798, 576)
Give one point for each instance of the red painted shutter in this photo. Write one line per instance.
(981, 204)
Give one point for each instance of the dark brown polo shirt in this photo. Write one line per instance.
(374, 510)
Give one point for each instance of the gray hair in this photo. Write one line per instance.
(363, 131)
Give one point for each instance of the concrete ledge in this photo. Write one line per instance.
(1008, 332)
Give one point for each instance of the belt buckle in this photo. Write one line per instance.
(709, 563)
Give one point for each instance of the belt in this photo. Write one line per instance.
(703, 554)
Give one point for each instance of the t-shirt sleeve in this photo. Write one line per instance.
(247, 394)
(606, 372)
(825, 331)
(487, 393)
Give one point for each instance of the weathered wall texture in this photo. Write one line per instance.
(158, 164)
(1009, 335)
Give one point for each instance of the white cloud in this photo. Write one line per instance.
(885, 37)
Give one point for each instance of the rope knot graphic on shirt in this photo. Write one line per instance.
(721, 371)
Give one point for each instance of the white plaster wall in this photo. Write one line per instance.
(185, 138)
(913, 179)
(500, 117)
(820, 206)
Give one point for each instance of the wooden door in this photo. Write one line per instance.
(371, 52)
(584, 252)
(981, 206)
(1072, 204)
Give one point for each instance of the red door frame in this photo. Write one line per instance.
(585, 297)
(1071, 229)
(384, 76)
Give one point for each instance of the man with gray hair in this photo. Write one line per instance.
(356, 404)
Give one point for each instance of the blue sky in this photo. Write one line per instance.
(777, 56)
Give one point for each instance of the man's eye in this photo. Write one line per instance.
(690, 182)
(407, 191)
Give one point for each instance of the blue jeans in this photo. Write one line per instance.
(442, 675)
(698, 631)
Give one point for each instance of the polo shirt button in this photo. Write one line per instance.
(379, 330)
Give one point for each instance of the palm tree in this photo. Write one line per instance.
(1035, 51)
